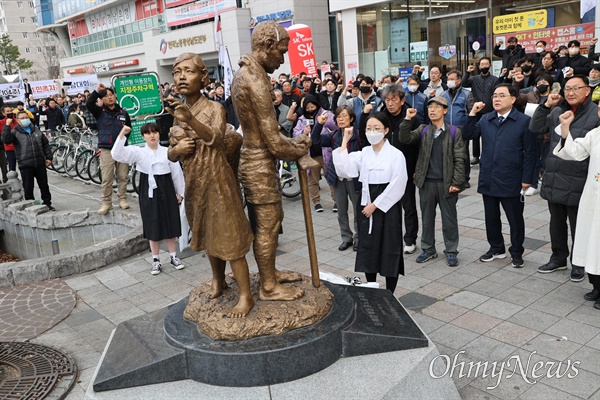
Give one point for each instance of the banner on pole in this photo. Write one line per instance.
(301, 50)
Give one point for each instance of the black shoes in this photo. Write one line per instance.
(50, 207)
(577, 273)
(344, 246)
(490, 256)
(550, 267)
(517, 262)
(592, 296)
(355, 245)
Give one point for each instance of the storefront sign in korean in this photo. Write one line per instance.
(554, 37)
(518, 22)
(301, 50)
(197, 11)
(138, 94)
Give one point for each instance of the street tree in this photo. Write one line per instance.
(10, 57)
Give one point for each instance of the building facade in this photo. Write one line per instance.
(109, 37)
(380, 37)
(18, 20)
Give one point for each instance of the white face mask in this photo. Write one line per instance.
(413, 88)
(573, 51)
(374, 137)
(451, 84)
(539, 49)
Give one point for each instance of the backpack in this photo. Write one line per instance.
(452, 132)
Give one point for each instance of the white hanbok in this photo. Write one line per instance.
(383, 177)
(586, 249)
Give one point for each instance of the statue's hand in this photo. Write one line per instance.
(179, 110)
(303, 141)
(183, 147)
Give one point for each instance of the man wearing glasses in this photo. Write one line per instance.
(564, 180)
(506, 169)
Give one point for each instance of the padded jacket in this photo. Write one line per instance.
(31, 149)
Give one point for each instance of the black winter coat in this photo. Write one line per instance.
(564, 180)
(31, 149)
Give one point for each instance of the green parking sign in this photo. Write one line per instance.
(138, 94)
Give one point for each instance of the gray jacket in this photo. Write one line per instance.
(564, 180)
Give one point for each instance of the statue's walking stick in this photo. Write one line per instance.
(305, 163)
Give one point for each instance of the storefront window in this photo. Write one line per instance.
(454, 34)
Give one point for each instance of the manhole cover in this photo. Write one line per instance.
(32, 371)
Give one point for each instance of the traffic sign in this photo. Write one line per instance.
(138, 93)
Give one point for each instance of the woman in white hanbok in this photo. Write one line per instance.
(586, 246)
(381, 169)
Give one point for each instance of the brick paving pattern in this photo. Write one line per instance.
(27, 311)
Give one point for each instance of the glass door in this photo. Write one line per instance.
(458, 40)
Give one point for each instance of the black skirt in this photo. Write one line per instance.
(381, 251)
(160, 214)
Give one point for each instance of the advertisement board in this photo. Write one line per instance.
(554, 37)
(301, 50)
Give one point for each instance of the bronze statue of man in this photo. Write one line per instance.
(213, 203)
(263, 145)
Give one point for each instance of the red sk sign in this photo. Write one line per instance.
(126, 63)
(301, 50)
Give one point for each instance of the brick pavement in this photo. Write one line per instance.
(475, 312)
(27, 311)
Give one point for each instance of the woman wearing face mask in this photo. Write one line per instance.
(415, 99)
(548, 59)
(381, 168)
(343, 188)
(543, 86)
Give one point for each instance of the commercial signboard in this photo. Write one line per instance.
(301, 50)
(518, 22)
(553, 36)
(197, 11)
(399, 47)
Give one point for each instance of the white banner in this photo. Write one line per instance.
(198, 11)
(81, 83)
(43, 89)
(12, 92)
(111, 17)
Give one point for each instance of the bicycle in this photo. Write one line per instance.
(290, 182)
(86, 144)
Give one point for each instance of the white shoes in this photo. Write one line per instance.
(409, 249)
(531, 191)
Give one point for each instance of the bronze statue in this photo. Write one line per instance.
(213, 203)
(262, 145)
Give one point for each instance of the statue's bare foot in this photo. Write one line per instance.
(287, 276)
(281, 292)
(216, 288)
(242, 308)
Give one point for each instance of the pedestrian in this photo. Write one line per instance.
(33, 155)
(54, 114)
(510, 54)
(110, 118)
(505, 170)
(76, 119)
(564, 180)
(439, 175)
(574, 64)
(161, 190)
(367, 96)
(312, 111)
(344, 188)
(585, 247)
(381, 168)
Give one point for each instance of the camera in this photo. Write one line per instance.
(311, 121)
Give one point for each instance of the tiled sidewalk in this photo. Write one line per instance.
(476, 312)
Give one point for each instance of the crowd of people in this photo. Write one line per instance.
(532, 129)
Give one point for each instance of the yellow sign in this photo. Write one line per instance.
(525, 21)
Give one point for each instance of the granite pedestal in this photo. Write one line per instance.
(163, 347)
